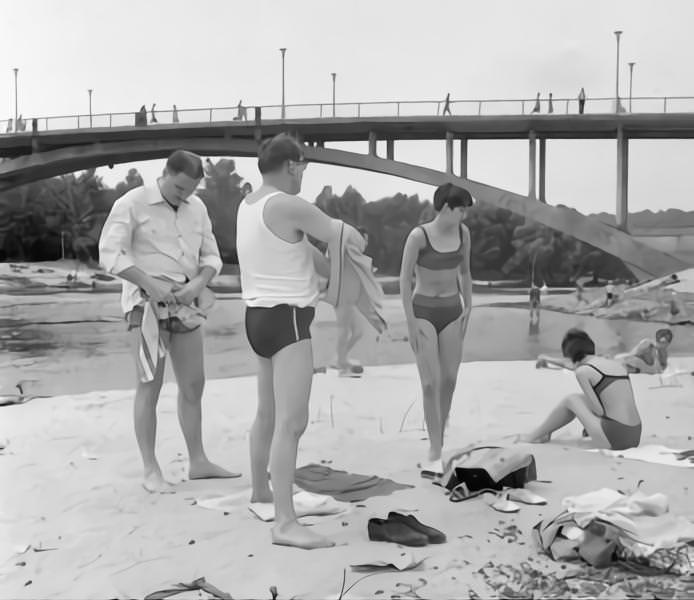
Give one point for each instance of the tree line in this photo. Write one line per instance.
(62, 217)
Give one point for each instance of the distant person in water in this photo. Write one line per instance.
(534, 302)
(158, 239)
(447, 105)
(437, 254)
(606, 406)
(649, 355)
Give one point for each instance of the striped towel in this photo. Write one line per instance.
(152, 346)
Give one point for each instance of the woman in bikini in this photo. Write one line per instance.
(606, 408)
(437, 255)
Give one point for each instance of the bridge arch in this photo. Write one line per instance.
(641, 258)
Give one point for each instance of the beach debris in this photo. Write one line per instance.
(198, 584)
(401, 561)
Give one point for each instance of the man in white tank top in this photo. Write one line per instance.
(280, 287)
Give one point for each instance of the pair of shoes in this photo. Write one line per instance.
(405, 530)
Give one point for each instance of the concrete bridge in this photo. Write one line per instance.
(34, 155)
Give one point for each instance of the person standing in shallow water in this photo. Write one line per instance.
(437, 254)
(159, 240)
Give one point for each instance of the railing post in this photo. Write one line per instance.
(358, 109)
(567, 107)
(110, 119)
(522, 107)
(210, 115)
(46, 123)
(479, 108)
(398, 109)
(78, 121)
(321, 111)
(665, 104)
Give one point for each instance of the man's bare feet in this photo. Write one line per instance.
(155, 483)
(530, 439)
(294, 534)
(207, 470)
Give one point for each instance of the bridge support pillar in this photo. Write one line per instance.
(390, 149)
(622, 210)
(373, 139)
(463, 158)
(532, 166)
(449, 152)
(543, 171)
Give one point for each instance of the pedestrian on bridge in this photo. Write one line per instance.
(536, 108)
(447, 105)
(141, 117)
(175, 114)
(550, 107)
(154, 116)
(581, 101)
(159, 241)
(10, 122)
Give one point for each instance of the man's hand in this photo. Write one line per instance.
(187, 293)
(159, 291)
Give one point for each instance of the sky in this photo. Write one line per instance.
(212, 53)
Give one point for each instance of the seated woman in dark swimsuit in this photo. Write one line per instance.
(437, 254)
(606, 408)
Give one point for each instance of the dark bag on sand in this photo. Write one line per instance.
(492, 468)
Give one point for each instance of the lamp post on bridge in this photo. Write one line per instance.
(283, 50)
(16, 70)
(617, 34)
(631, 76)
(333, 76)
(90, 107)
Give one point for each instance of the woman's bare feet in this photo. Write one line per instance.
(155, 483)
(208, 470)
(298, 536)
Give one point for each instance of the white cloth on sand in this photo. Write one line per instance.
(659, 455)
(305, 504)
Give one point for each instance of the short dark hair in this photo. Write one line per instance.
(274, 152)
(577, 344)
(665, 332)
(182, 161)
(452, 195)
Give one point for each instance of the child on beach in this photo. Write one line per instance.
(606, 408)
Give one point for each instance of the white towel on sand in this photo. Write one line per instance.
(305, 504)
(652, 453)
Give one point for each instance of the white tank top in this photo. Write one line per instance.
(273, 271)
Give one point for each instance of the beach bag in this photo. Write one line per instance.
(491, 468)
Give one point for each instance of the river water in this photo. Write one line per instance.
(75, 342)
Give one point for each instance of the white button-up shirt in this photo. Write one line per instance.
(143, 230)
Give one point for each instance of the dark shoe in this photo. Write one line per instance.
(434, 536)
(382, 530)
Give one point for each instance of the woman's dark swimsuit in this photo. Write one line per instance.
(620, 435)
(440, 311)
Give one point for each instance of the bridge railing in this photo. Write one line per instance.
(356, 110)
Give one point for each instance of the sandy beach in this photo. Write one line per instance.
(70, 481)
(75, 522)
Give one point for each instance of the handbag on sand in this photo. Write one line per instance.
(490, 468)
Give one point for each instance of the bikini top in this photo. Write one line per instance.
(430, 258)
(604, 382)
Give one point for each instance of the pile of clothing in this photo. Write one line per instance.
(606, 526)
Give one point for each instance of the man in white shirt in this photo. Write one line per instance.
(159, 240)
(279, 269)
